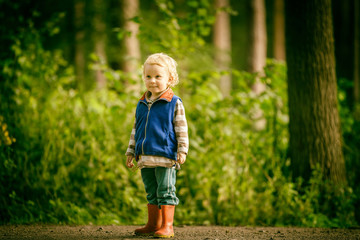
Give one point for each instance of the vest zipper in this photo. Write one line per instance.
(147, 119)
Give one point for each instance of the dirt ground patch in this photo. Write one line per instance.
(185, 232)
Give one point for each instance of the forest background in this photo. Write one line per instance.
(70, 81)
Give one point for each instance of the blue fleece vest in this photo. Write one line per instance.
(155, 130)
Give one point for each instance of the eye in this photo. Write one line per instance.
(148, 76)
(158, 76)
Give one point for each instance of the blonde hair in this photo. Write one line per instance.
(164, 60)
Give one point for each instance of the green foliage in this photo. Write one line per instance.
(177, 31)
(350, 126)
(237, 174)
(67, 162)
(62, 150)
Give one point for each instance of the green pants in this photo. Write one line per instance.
(160, 185)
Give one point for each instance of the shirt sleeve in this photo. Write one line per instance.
(131, 148)
(181, 128)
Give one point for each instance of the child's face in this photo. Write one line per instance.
(156, 78)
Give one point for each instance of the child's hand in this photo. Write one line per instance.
(181, 157)
(129, 161)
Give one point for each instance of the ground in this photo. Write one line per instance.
(41, 232)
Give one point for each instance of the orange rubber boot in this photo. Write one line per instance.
(166, 230)
(154, 221)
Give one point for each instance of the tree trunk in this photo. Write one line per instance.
(257, 48)
(79, 20)
(257, 53)
(132, 46)
(100, 39)
(279, 30)
(222, 43)
(357, 60)
(315, 136)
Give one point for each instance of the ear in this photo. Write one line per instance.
(171, 79)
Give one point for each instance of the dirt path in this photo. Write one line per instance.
(186, 232)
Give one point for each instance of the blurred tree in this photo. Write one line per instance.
(279, 30)
(357, 60)
(257, 35)
(257, 53)
(79, 23)
(100, 9)
(222, 44)
(315, 136)
(131, 42)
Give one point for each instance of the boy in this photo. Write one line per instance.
(159, 142)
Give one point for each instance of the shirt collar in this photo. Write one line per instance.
(167, 95)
